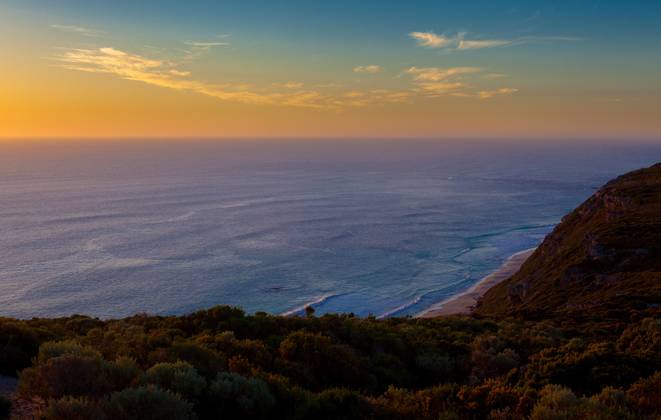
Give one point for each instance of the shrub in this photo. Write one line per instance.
(81, 325)
(432, 403)
(19, 345)
(435, 365)
(587, 369)
(241, 365)
(556, 403)
(644, 395)
(323, 361)
(490, 357)
(5, 408)
(643, 339)
(180, 377)
(391, 370)
(147, 403)
(611, 397)
(55, 349)
(207, 362)
(236, 395)
(334, 404)
(65, 375)
(122, 373)
(559, 403)
(69, 408)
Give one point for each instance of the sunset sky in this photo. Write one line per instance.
(444, 69)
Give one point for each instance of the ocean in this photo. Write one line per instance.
(373, 227)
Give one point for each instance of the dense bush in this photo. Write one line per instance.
(65, 375)
(559, 403)
(71, 408)
(147, 403)
(5, 408)
(221, 363)
(180, 378)
(19, 344)
(235, 396)
(334, 404)
(645, 395)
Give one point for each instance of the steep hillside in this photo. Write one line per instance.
(604, 258)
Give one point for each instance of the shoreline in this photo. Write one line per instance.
(464, 302)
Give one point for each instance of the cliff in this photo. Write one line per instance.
(602, 259)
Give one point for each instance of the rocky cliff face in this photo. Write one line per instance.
(605, 256)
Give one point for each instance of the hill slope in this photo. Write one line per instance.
(602, 259)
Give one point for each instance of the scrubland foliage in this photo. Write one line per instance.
(220, 363)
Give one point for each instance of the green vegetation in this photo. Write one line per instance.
(220, 363)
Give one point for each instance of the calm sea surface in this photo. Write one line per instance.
(371, 227)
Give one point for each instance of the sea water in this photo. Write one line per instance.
(381, 227)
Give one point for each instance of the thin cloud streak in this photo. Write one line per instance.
(430, 39)
(458, 42)
(435, 81)
(479, 44)
(197, 48)
(78, 30)
(293, 85)
(435, 74)
(202, 44)
(368, 69)
(155, 72)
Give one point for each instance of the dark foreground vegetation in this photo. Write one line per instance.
(576, 334)
(222, 364)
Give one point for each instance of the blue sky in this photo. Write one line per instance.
(584, 50)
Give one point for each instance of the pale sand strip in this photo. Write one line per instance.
(463, 303)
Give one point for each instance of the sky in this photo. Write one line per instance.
(307, 69)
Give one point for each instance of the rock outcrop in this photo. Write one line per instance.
(604, 257)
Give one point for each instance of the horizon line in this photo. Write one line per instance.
(4, 139)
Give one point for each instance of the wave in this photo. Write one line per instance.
(345, 235)
(402, 307)
(531, 226)
(87, 218)
(318, 301)
(423, 296)
(409, 304)
(183, 217)
(421, 214)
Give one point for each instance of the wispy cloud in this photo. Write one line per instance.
(358, 99)
(195, 49)
(482, 43)
(488, 94)
(367, 69)
(430, 39)
(494, 76)
(458, 42)
(453, 81)
(484, 94)
(548, 39)
(293, 85)
(78, 30)
(434, 81)
(158, 73)
(206, 44)
(179, 73)
(164, 73)
(436, 74)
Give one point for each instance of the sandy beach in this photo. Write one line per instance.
(463, 303)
